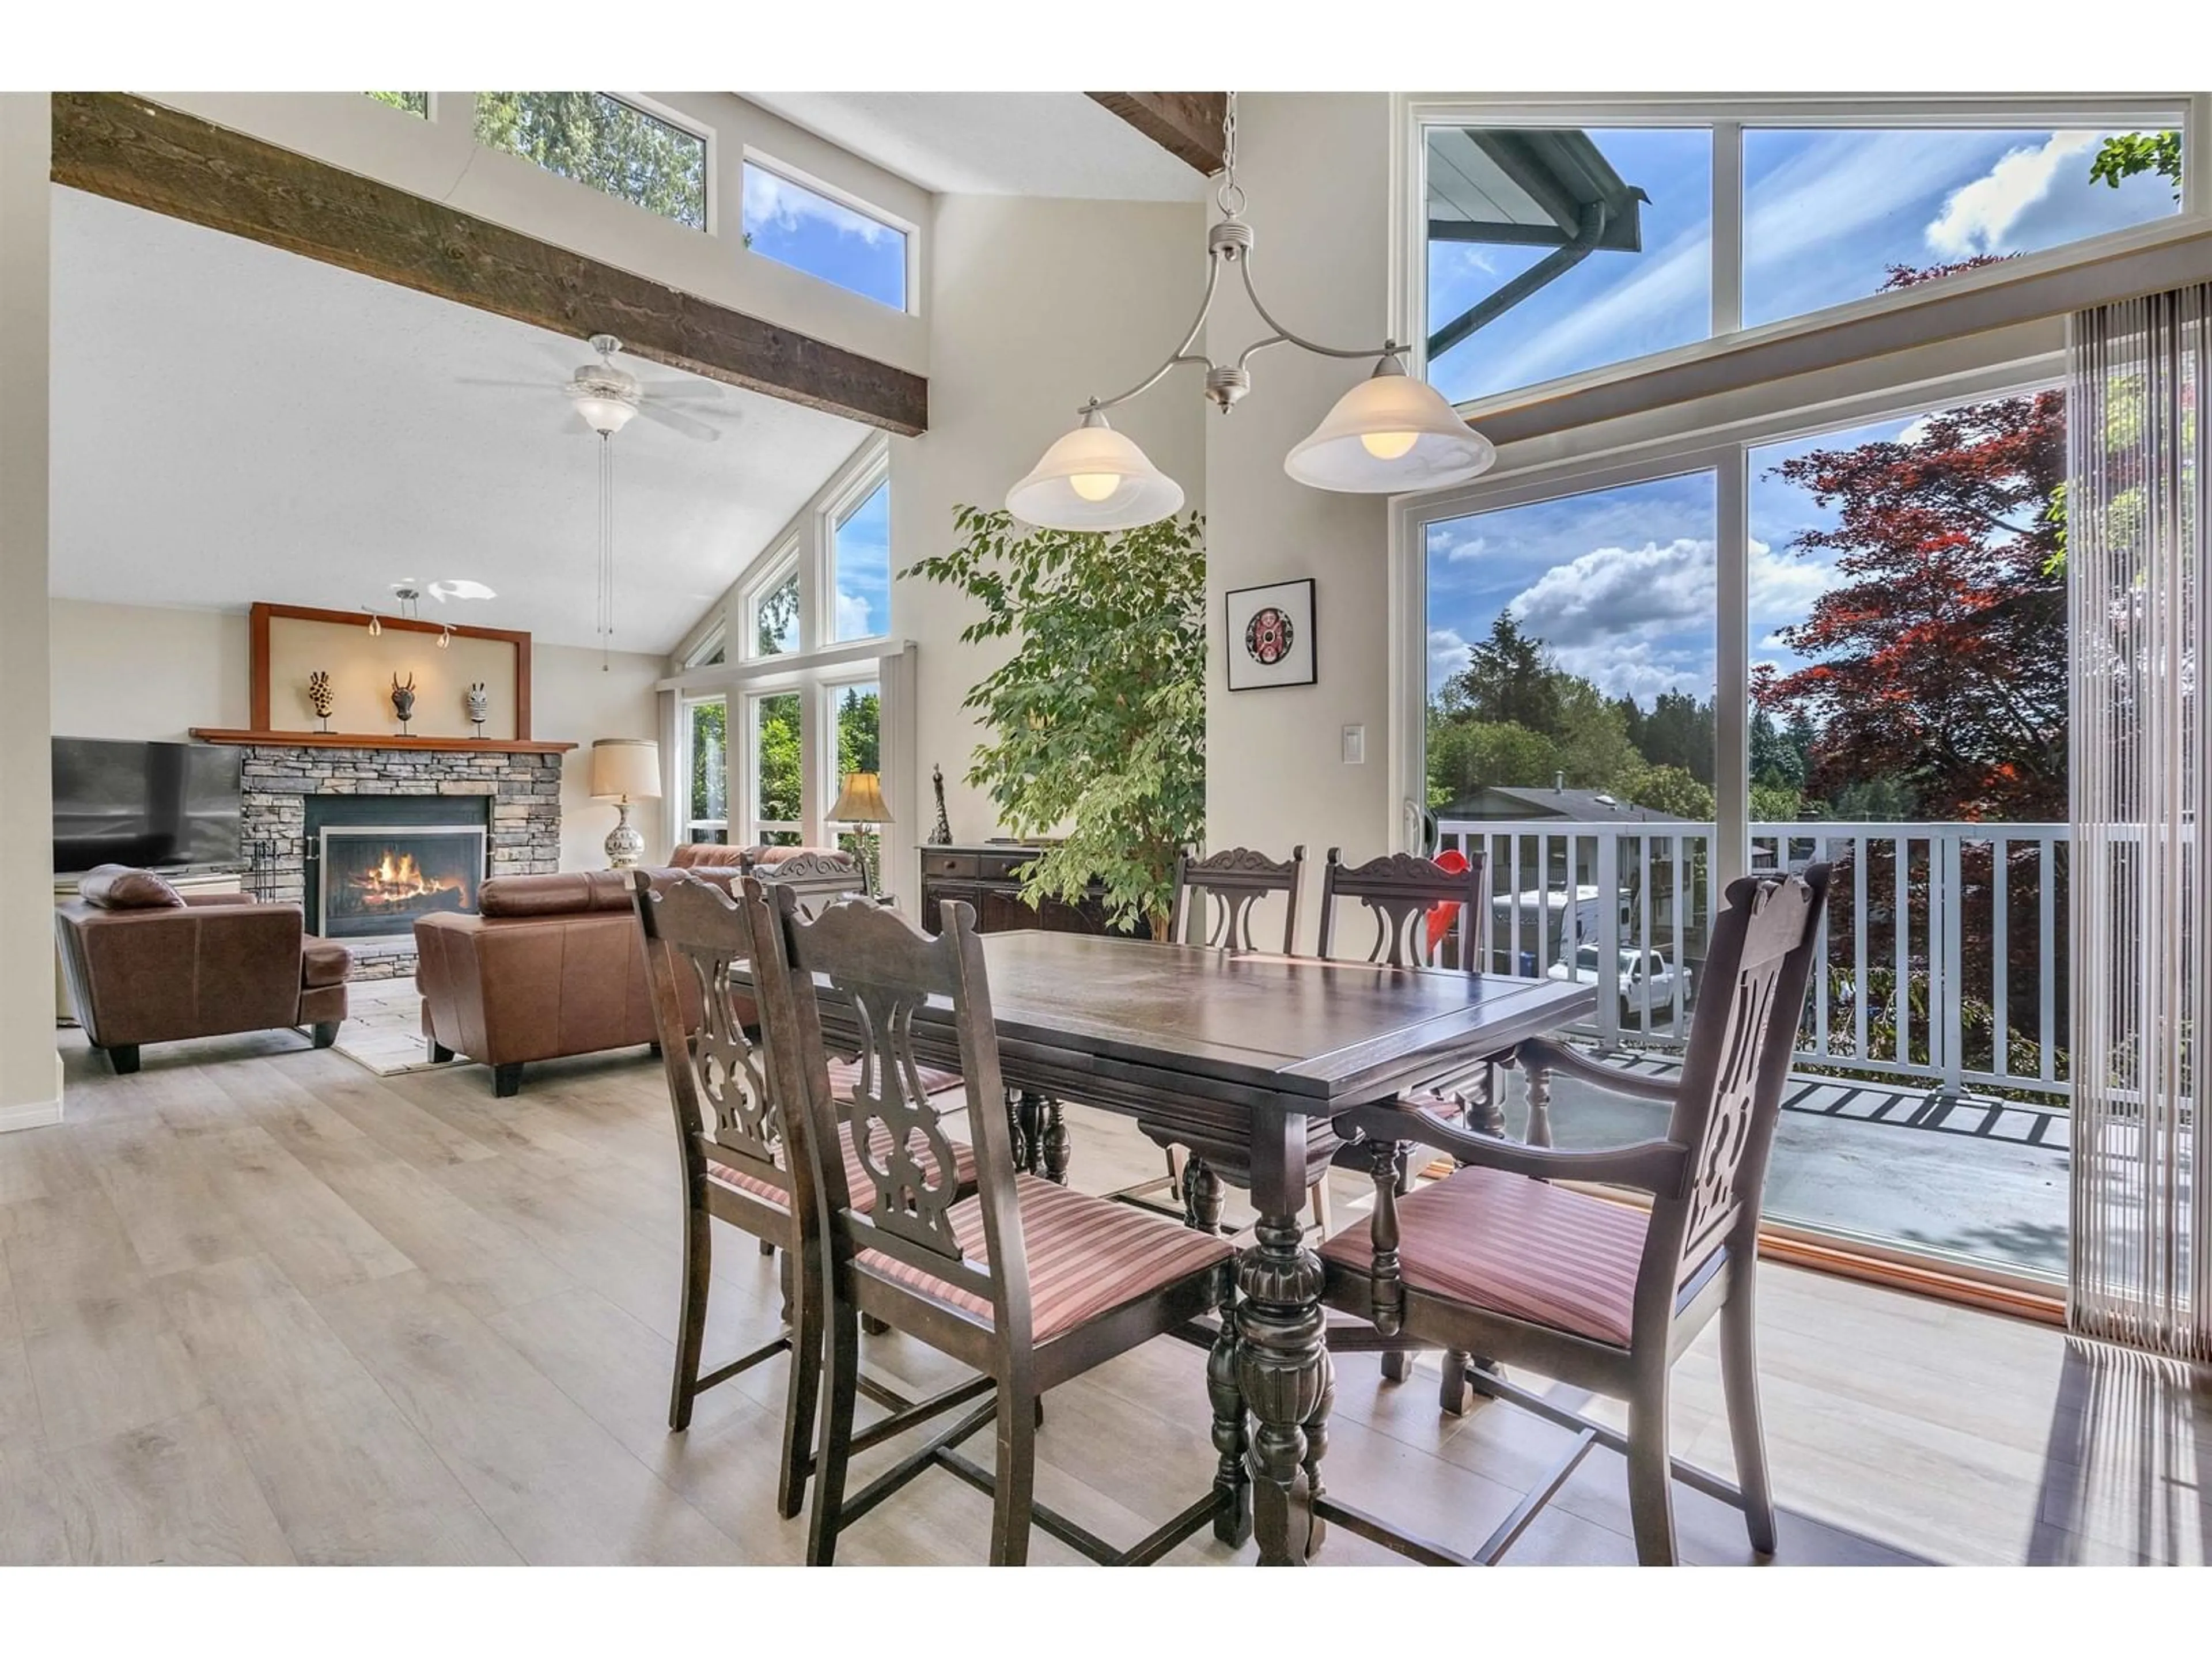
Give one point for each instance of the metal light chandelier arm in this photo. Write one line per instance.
(1182, 354)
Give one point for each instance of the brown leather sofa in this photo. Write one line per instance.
(554, 965)
(146, 963)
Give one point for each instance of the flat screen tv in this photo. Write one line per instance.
(158, 805)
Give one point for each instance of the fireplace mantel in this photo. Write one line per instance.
(376, 740)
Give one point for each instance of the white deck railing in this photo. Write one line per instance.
(1943, 946)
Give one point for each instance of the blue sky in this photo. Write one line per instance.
(1619, 583)
(1826, 212)
(792, 224)
(863, 566)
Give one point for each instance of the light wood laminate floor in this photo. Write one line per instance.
(257, 1304)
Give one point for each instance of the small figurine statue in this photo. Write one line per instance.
(942, 835)
(479, 704)
(403, 701)
(320, 697)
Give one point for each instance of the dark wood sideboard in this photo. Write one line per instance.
(989, 877)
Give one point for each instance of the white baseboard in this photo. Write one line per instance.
(36, 1116)
(37, 1113)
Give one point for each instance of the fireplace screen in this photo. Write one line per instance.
(377, 879)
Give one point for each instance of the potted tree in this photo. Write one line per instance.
(1098, 719)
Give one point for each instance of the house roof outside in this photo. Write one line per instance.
(1493, 801)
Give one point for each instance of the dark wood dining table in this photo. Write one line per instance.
(1245, 1060)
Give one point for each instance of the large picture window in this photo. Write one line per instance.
(1556, 243)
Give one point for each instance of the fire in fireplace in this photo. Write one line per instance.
(377, 878)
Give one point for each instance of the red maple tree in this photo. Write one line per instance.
(1939, 661)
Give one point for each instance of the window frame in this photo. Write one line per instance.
(2190, 113)
(688, 726)
(1726, 451)
(909, 235)
(847, 498)
(782, 563)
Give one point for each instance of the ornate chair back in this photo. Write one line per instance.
(883, 970)
(1399, 890)
(696, 936)
(1215, 896)
(819, 879)
(1734, 1070)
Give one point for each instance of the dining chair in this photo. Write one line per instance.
(1025, 1281)
(700, 949)
(1213, 904)
(1503, 1257)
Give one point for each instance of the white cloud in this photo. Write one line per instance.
(1447, 654)
(1916, 430)
(853, 616)
(1638, 620)
(1457, 549)
(1977, 217)
(773, 201)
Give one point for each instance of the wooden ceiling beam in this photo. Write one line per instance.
(123, 147)
(1187, 125)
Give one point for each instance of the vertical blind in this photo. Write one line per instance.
(2140, 641)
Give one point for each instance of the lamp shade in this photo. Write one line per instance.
(1094, 478)
(860, 800)
(625, 769)
(1390, 433)
(605, 416)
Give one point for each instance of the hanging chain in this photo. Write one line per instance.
(1231, 197)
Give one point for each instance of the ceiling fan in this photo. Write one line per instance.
(608, 395)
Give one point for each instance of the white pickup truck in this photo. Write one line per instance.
(1642, 974)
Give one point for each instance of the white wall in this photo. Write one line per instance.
(1034, 306)
(145, 671)
(30, 1069)
(571, 701)
(1318, 168)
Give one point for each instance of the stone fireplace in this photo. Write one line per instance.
(461, 815)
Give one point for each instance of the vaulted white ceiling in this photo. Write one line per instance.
(232, 422)
(995, 143)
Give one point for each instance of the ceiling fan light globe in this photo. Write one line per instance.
(1094, 478)
(605, 416)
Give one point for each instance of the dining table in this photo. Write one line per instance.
(1245, 1060)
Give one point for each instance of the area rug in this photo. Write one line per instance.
(383, 1028)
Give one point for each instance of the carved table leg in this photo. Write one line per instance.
(1487, 1114)
(1540, 1105)
(1283, 1367)
(1232, 1485)
(1204, 1193)
(1059, 1145)
(1030, 1114)
(1014, 1127)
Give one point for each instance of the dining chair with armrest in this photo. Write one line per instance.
(1504, 1258)
(1026, 1281)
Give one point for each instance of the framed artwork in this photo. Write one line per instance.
(1271, 635)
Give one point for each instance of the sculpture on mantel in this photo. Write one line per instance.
(320, 697)
(942, 835)
(479, 705)
(403, 701)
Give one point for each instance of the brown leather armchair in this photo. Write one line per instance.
(554, 965)
(145, 963)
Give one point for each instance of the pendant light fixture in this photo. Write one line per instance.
(1390, 433)
(607, 416)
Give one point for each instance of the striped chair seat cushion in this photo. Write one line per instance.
(1087, 1256)
(845, 1074)
(857, 1179)
(1514, 1246)
(1436, 1103)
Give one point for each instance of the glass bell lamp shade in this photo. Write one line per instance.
(605, 416)
(1390, 432)
(1094, 478)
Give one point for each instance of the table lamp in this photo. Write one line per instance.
(624, 770)
(860, 800)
